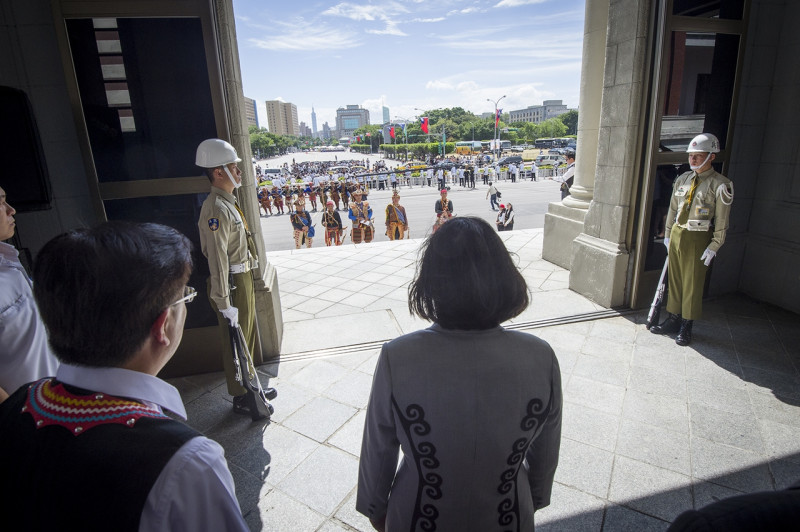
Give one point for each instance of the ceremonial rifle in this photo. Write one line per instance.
(658, 300)
(256, 397)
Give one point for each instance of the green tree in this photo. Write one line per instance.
(570, 119)
(552, 127)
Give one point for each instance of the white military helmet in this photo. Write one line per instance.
(212, 153)
(703, 143)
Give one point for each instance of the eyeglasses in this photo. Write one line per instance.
(189, 294)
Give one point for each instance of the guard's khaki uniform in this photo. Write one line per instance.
(225, 241)
(693, 227)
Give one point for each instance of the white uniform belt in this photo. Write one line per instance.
(693, 225)
(240, 268)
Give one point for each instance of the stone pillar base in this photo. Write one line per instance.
(599, 269)
(268, 315)
(561, 226)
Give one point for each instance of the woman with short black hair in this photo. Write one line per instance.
(475, 408)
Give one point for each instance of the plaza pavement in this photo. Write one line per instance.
(650, 429)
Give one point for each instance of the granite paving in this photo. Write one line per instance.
(650, 429)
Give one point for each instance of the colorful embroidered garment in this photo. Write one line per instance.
(52, 404)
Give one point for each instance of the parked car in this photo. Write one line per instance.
(550, 159)
(505, 161)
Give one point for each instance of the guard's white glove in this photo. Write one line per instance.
(666, 242)
(232, 315)
(707, 255)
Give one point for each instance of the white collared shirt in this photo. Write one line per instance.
(195, 490)
(25, 355)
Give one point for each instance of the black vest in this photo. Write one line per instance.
(99, 480)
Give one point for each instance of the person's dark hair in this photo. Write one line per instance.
(210, 172)
(99, 290)
(466, 278)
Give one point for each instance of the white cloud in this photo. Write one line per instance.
(438, 85)
(391, 29)
(370, 13)
(516, 3)
(304, 36)
(424, 20)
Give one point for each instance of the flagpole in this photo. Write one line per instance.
(496, 121)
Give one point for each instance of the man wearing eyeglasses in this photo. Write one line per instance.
(92, 448)
(225, 241)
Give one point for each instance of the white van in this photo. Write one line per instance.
(550, 160)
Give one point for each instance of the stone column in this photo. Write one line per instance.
(592, 70)
(564, 220)
(601, 254)
(268, 302)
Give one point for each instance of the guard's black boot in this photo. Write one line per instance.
(247, 404)
(671, 325)
(270, 393)
(685, 334)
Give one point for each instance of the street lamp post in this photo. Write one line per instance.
(496, 120)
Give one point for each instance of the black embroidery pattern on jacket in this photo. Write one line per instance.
(509, 507)
(424, 455)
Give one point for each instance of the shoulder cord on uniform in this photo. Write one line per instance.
(724, 195)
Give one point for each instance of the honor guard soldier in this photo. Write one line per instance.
(396, 219)
(361, 215)
(696, 224)
(301, 222)
(332, 223)
(226, 242)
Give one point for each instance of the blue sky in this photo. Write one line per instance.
(427, 54)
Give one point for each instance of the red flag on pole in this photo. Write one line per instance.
(391, 131)
(424, 124)
(497, 117)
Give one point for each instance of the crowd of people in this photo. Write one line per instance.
(303, 188)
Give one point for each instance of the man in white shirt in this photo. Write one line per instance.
(568, 177)
(93, 444)
(24, 353)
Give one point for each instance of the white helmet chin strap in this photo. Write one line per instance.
(695, 168)
(235, 183)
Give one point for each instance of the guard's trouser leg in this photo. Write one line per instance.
(686, 272)
(244, 300)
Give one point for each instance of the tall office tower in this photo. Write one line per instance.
(326, 131)
(282, 118)
(313, 122)
(386, 115)
(349, 119)
(251, 112)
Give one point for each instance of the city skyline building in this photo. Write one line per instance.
(539, 113)
(304, 130)
(282, 118)
(313, 122)
(386, 115)
(326, 131)
(251, 111)
(350, 118)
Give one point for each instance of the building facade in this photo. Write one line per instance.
(326, 131)
(350, 118)
(386, 115)
(648, 83)
(674, 69)
(250, 111)
(282, 118)
(538, 113)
